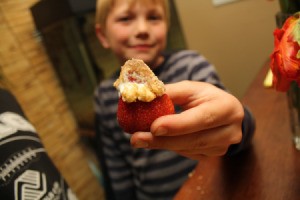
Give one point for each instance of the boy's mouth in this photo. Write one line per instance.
(142, 47)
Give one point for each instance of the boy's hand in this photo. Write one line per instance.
(210, 123)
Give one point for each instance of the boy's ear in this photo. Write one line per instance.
(101, 36)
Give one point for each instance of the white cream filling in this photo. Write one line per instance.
(131, 92)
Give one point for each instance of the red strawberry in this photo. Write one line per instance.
(139, 115)
(142, 97)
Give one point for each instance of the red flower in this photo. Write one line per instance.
(285, 59)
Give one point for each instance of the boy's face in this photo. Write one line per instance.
(135, 31)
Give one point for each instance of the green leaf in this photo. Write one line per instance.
(296, 32)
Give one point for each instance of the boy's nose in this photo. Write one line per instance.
(142, 26)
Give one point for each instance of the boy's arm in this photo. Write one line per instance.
(116, 171)
(248, 125)
(107, 185)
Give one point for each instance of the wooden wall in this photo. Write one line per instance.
(24, 62)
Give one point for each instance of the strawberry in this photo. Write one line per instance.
(142, 97)
(139, 115)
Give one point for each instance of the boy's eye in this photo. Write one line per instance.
(124, 19)
(154, 17)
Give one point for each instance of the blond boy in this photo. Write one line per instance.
(154, 165)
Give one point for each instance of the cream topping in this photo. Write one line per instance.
(138, 82)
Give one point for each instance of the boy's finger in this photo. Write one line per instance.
(195, 142)
(189, 121)
(182, 91)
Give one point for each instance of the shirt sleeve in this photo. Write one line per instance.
(117, 173)
(26, 170)
(248, 129)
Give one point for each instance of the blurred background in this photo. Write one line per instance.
(236, 37)
(52, 62)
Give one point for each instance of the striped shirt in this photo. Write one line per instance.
(143, 173)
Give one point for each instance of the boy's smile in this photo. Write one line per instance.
(142, 47)
(137, 30)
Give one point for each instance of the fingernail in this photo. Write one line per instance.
(141, 144)
(160, 131)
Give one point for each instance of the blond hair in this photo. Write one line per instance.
(103, 7)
